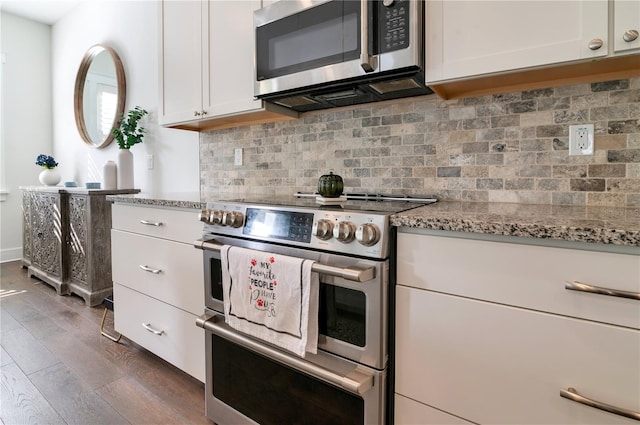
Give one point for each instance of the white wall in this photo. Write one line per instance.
(37, 105)
(25, 114)
(131, 28)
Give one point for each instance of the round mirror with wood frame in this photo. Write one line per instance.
(99, 95)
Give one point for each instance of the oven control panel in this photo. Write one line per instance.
(352, 232)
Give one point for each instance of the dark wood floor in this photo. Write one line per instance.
(56, 368)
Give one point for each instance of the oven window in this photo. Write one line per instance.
(270, 393)
(343, 314)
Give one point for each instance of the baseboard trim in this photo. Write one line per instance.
(11, 254)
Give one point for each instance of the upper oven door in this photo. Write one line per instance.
(308, 43)
(353, 315)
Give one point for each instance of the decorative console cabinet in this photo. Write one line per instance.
(67, 239)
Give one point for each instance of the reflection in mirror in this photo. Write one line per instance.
(99, 95)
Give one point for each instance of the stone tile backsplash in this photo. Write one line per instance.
(510, 147)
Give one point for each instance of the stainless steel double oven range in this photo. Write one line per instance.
(349, 380)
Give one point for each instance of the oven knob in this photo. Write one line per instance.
(368, 234)
(204, 216)
(215, 217)
(344, 231)
(322, 229)
(233, 219)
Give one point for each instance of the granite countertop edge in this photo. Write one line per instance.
(186, 200)
(599, 225)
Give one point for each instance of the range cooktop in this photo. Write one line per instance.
(388, 204)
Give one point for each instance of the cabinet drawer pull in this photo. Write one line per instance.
(148, 327)
(595, 44)
(149, 269)
(630, 35)
(573, 395)
(152, 223)
(583, 287)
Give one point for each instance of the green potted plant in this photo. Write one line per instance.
(127, 134)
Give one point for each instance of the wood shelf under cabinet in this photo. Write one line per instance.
(551, 76)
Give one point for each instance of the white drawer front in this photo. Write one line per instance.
(522, 275)
(410, 412)
(490, 363)
(181, 342)
(174, 224)
(179, 280)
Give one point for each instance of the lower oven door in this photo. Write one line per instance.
(249, 381)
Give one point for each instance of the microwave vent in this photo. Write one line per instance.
(296, 101)
(339, 95)
(395, 85)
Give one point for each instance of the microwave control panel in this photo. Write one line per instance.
(393, 16)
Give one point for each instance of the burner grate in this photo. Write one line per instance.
(376, 197)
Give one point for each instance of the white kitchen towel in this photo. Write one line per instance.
(272, 297)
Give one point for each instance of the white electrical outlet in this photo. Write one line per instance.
(237, 160)
(581, 139)
(149, 162)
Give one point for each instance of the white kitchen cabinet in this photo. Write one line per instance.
(472, 38)
(206, 66)
(626, 26)
(158, 280)
(528, 276)
(486, 331)
(411, 412)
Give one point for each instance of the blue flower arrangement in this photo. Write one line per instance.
(46, 161)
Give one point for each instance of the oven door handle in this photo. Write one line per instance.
(358, 381)
(355, 274)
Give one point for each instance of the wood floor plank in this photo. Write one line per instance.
(126, 395)
(28, 353)
(44, 329)
(98, 370)
(7, 322)
(76, 401)
(84, 361)
(21, 402)
(5, 358)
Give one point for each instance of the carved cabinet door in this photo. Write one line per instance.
(47, 232)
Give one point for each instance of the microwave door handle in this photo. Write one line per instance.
(365, 59)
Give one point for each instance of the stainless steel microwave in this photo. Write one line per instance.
(316, 54)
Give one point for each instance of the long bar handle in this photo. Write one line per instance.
(349, 273)
(365, 59)
(573, 395)
(592, 289)
(148, 327)
(149, 269)
(152, 223)
(357, 381)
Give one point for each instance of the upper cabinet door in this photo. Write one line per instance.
(626, 26)
(471, 38)
(229, 76)
(180, 76)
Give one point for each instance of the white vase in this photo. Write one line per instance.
(125, 169)
(110, 176)
(49, 177)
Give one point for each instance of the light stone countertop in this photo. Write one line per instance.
(173, 200)
(598, 225)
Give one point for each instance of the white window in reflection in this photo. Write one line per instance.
(107, 100)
